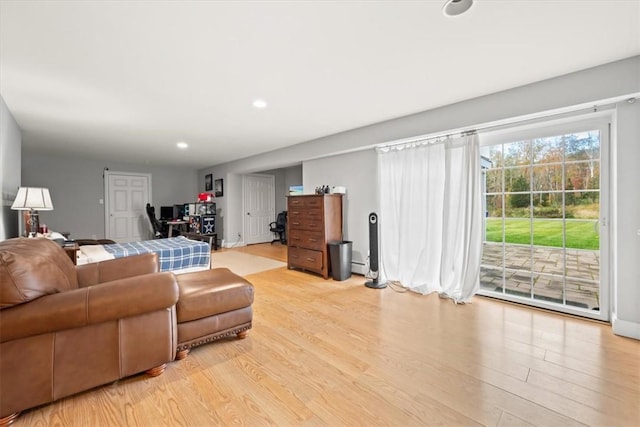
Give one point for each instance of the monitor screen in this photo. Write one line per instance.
(178, 211)
(166, 212)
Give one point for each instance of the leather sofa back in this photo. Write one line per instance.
(31, 268)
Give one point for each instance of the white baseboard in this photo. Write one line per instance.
(235, 244)
(625, 328)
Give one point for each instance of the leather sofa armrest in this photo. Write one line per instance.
(94, 304)
(115, 269)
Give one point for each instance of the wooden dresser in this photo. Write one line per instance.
(312, 222)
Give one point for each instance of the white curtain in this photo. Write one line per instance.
(431, 216)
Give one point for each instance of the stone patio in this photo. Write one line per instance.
(547, 266)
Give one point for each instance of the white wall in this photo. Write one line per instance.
(284, 178)
(279, 190)
(603, 82)
(358, 173)
(230, 218)
(10, 177)
(235, 210)
(626, 220)
(292, 176)
(221, 205)
(77, 185)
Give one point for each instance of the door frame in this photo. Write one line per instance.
(107, 173)
(245, 177)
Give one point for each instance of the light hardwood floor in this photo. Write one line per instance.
(340, 354)
(275, 250)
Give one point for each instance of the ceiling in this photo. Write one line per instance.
(125, 81)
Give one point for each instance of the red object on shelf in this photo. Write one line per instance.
(205, 197)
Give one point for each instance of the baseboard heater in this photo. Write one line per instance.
(359, 267)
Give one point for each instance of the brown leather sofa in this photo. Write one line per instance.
(65, 329)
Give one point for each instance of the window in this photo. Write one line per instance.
(544, 216)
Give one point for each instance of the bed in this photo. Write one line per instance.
(176, 254)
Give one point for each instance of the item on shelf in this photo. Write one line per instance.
(205, 197)
(207, 224)
(205, 209)
(201, 216)
(194, 223)
(323, 190)
(189, 209)
(296, 190)
(339, 189)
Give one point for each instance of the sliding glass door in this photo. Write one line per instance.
(545, 227)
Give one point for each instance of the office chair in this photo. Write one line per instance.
(160, 230)
(279, 226)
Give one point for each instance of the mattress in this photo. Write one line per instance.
(177, 254)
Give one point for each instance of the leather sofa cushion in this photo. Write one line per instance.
(210, 292)
(31, 268)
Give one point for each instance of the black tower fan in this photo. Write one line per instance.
(373, 254)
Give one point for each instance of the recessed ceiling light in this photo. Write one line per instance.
(260, 103)
(182, 145)
(456, 7)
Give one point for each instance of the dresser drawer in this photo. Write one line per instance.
(307, 239)
(305, 223)
(305, 258)
(304, 212)
(295, 202)
(310, 202)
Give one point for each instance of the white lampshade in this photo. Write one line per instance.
(34, 198)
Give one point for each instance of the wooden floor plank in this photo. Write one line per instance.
(326, 353)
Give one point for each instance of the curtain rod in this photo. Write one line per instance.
(505, 123)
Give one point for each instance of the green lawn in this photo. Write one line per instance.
(579, 234)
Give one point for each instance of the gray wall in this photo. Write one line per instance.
(10, 178)
(292, 176)
(618, 78)
(220, 201)
(230, 218)
(77, 185)
(280, 201)
(358, 173)
(284, 178)
(625, 232)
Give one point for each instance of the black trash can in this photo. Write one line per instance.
(340, 255)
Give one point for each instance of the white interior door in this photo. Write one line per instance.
(126, 197)
(259, 207)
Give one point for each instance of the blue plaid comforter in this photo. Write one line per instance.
(173, 254)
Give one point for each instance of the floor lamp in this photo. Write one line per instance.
(32, 200)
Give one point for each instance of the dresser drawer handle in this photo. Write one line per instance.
(296, 238)
(313, 240)
(311, 259)
(295, 223)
